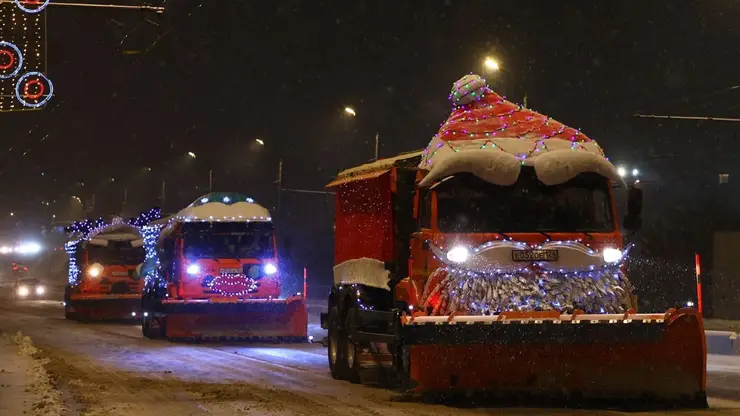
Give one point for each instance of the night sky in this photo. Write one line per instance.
(135, 90)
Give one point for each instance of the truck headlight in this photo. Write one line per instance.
(95, 270)
(611, 255)
(40, 290)
(458, 254)
(193, 269)
(270, 269)
(23, 291)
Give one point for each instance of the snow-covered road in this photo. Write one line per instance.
(111, 370)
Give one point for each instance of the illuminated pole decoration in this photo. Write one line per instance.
(23, 85)
(34, 89)
(11, 60)
(32, 6)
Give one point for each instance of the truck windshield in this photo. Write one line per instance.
(116, 253)
(467, 204)
(235, 240)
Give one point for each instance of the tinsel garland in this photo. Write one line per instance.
(464, 292)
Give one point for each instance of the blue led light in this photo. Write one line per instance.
(226, 200)
(43, 101)
(20, 59)
(203, 200)
(87, 229)
(41, 7)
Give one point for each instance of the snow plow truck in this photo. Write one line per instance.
(493, 261)
(104, 274)
(215, 276)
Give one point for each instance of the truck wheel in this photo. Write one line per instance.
(335, 350)
(151, 329)
(69, 315)
(351, 349)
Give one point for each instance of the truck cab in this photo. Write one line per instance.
(202, 260)
(215, 275)
(110, 265)
(461, 212)
(105, 274)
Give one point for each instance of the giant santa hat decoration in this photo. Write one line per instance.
(493, 138)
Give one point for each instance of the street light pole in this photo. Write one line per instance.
(279, 186)
(164, 184)
(377, 144)
(210, 180)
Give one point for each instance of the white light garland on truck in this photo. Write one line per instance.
(233, 285)
(484, 283)
(87, 229)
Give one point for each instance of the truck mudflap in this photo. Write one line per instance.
(236, 319)
(101, 307)
(658, 357)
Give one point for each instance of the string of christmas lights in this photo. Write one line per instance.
(480, 116)
(475, 287)
(458, 290)
(23, 24)
(233, 285)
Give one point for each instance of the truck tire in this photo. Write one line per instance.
(351, 349)
(335, 349)
(151, 331)
(69, 315)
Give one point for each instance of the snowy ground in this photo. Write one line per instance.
(109, 369)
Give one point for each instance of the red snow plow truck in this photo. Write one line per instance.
(104, 274)
(216, 276)
(493, 261)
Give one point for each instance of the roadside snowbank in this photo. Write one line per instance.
(47, 400)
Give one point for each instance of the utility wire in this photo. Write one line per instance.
(688, 117)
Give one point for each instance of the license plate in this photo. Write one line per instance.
(231, 271)
(534, 255)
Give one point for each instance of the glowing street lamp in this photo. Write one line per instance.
(260, 141)
(635, 172)
(350, 111)
(491, 64)
(191, 154)
(622, 171)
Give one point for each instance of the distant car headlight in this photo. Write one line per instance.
(23, 291)
(611, 255)
(270, 269)
(40, 290)
(95, 270)
(193, 269)
(458, 254)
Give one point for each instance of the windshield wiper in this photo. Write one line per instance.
(506, 237)
(586, 233)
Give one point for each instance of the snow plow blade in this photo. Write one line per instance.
(236, 319)
(103, 307)
(650, 358)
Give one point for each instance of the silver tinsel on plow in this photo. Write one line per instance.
(462, 291)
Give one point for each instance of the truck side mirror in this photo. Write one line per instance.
(633, 220)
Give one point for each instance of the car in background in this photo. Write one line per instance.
(28, 288)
